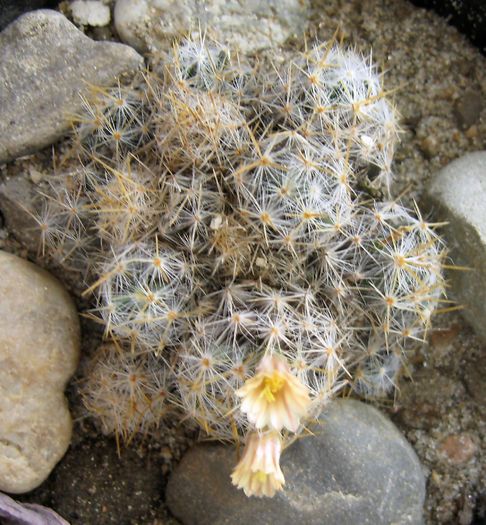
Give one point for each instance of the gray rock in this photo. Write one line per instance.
(468, 108)
(247, 26)
(457, 194)
(17, 198)
(476, 381)
(39, 351)
(45, 62)
(357, 469)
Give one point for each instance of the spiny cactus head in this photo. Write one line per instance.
(242, 266)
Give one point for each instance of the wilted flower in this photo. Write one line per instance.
(17, 513)
(258, 473)
(274, 397)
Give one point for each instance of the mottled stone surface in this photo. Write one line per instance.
(247, 26)
(457, 194)
(357, 469)
(17, 197)
(39, 351)
(45, 62)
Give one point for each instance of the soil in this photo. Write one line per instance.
(439, 85)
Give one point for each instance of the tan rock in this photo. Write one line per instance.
(39, 351)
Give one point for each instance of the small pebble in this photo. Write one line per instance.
(458, 448)
(35, 175)
(468, 108)
(475, 379)
(472, 132)
(429, 146)
(90, 13)
(443, 338)
(166, 453)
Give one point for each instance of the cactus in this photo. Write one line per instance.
(247, 259)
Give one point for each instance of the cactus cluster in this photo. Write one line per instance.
(225, 212)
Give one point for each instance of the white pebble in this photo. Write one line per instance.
(90, 13)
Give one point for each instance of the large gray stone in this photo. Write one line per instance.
(357, 469)
(457, 194)
(246, 26)
(45, 62)
(39, 351)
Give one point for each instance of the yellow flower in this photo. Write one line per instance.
(274, 398)
(258, 473)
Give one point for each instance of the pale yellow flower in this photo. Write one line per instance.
(274, 397)
(258, 473)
